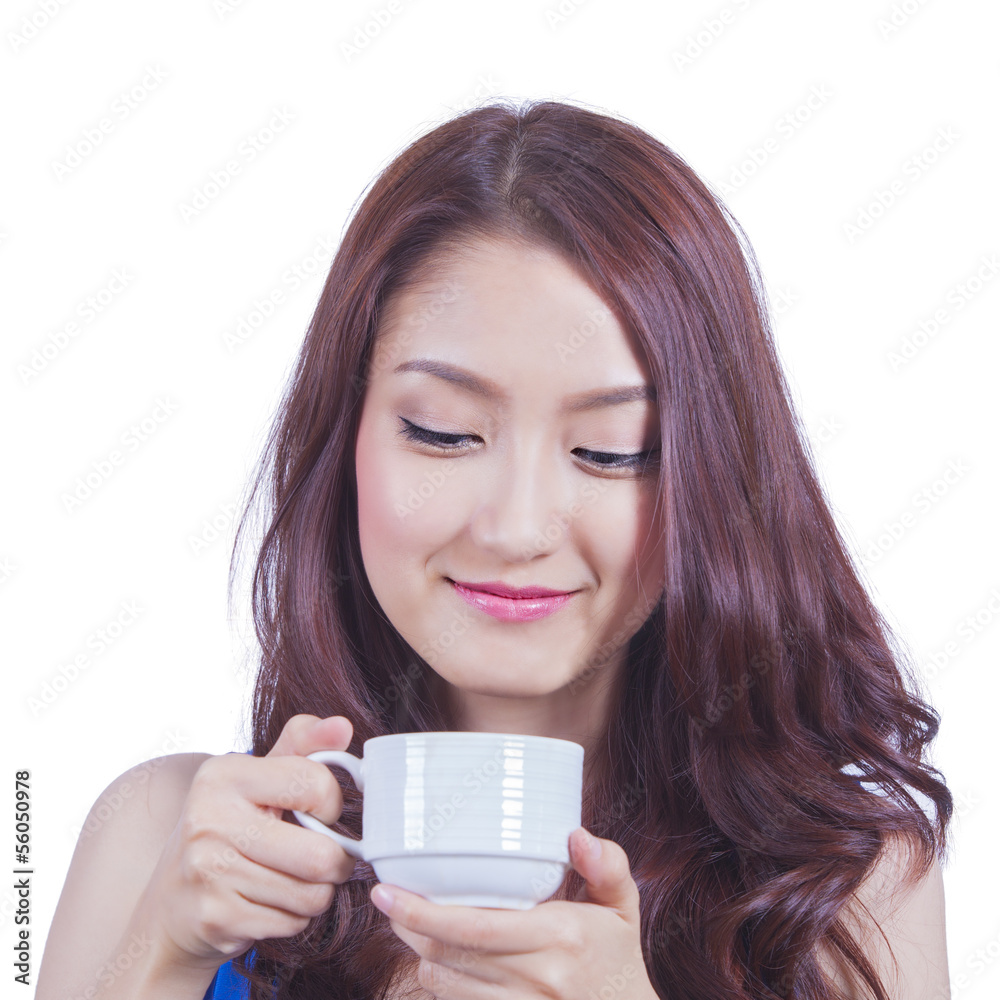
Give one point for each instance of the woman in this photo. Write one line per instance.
(542, 358)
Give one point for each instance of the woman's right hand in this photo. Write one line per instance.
(232, 871)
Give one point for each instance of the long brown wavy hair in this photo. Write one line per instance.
(763, 670)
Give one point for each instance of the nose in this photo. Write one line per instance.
(523, 511)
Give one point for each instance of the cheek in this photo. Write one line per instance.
(624, 532)
(380, 528)
(406, 505)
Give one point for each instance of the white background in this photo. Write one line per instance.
(736, 106)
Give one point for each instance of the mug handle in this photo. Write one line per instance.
(356, 848)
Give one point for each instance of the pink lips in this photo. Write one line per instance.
(511, 604)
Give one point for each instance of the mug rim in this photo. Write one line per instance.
(554, 743)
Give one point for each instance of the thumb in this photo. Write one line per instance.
(303, 734)
(608, 877)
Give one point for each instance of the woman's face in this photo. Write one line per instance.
(520, 490)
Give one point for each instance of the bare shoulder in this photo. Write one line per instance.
(118, 848)
(898, 919)
(139, 809)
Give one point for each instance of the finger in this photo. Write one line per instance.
(269, 887)
(246, 792)
(256, 923)
(471, 928)
(303, 734)
(458, 969)
(303, 854)
(288, 782)
(608, 877)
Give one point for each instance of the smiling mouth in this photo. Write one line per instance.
(512, 609)
(512, 593)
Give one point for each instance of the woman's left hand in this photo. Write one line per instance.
(570, 950)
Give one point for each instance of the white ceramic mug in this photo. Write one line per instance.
(470, 819)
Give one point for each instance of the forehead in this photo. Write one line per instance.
(511, 310)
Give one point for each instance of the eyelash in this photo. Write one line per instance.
(635, 461)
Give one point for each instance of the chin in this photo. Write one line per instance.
(499, 682)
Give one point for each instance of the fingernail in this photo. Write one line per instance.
(591, 844)
(383, 898)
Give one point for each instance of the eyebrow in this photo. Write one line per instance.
(480, 386)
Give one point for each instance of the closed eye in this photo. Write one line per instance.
(604, 459)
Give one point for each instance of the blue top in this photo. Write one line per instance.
(228, 984)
